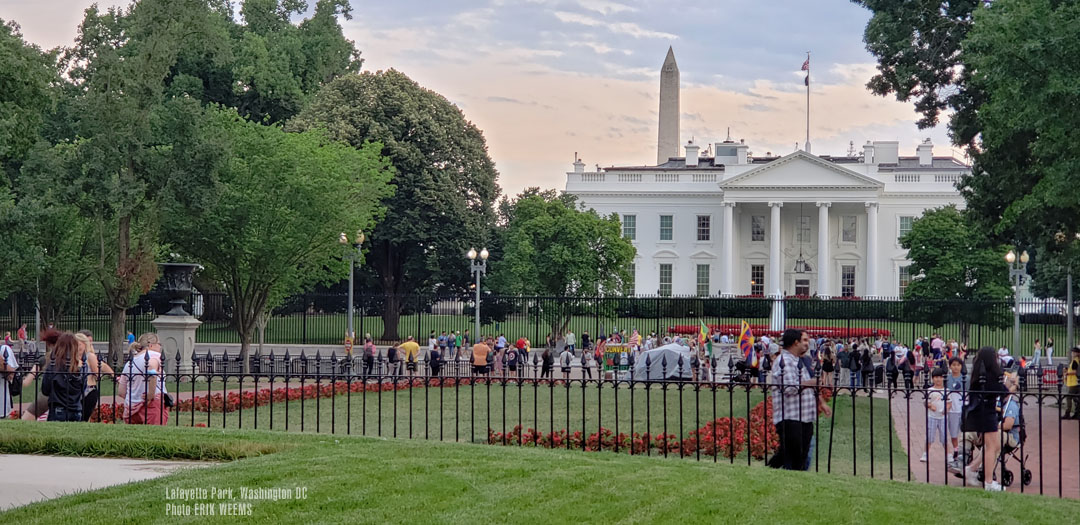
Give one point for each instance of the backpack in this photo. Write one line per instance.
(890, 365)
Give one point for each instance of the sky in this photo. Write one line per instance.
(545, 79)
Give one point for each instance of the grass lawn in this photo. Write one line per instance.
(465, 413)
(366, 480)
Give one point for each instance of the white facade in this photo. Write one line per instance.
(844, 215)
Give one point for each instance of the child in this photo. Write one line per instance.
(935, 404)
(954, 412)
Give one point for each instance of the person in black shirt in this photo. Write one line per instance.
(62, 382)
(586, 341)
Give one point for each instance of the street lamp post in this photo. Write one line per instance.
(478, 267)
(352, 255)
(1016, 275)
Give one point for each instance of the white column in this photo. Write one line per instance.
(824, 269)
(727, 257)
(871, 249)
(773, 285)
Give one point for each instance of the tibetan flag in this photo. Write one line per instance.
(746, 344)
(703, 339)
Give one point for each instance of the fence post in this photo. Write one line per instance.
(419, 332)
(303, 318)
(361, 316)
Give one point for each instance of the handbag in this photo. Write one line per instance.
(969, 409)
(167, 400)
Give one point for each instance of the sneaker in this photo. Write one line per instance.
(993, 486)
(923, 458)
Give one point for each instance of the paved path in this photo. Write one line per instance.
(25, 479)
(1049, 431)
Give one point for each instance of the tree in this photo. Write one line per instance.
(272, 229)
(27, 76)
(444, 177)
(956, 273)
(555, 248)
(1005, 70)
(135, 146)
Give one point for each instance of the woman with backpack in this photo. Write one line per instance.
(980, 414)
(586, 366)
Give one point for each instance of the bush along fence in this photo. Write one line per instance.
(657, 406)
(321, 319)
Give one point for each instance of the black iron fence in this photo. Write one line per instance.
(661, 403)
(322, 319)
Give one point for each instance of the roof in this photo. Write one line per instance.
(708, 163)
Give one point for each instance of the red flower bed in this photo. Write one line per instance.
(763, 329)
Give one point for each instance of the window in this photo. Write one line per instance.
(905, 278)
(665, 227)
(757, 228)
(703, 280)
(802, 287)
(628, 285)
(629, 227)
(802, 229)
(703, 227)
(665, 280)
(847, 280)
(905, 226)
(848, 225)
(757, 279)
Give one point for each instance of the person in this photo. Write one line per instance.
(94, 369)
(1072, 384)
(980, 413)
(369, 355)
(130, 339)
(586, 365)
(794, 407)
(434, 361)
(62, 382)
(412, 351)
(41, 403)
(453, 342)
(867, 359)
(20, 334)
(827, 365)
(466, 341)
(513, 357)
(432, 341)
(1036, 360)
(480, 352)
(142, 384)
(547, 361)
(443, 342)
(936, 405)
(392, 358)
(7, 339)
(843, 359)
(565, 359)
(586, 341)
(635, 339)
(1049, 351)
(954, 385)
(570, 340)
(8, 366)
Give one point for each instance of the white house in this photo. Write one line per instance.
(798, 224)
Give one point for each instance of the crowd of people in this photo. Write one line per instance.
(63, 384)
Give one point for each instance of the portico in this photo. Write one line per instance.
(792, 187)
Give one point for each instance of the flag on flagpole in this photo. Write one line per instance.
(806, 67)
(746, 345)
(703, 339)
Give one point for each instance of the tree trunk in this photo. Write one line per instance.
(391, 314)
(261, 322)
(117, 335)
(245, 347)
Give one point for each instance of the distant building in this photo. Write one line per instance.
(735, 223)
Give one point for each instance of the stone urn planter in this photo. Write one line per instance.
(176, 283)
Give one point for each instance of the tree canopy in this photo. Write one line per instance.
(271, 229)
(552, 247)
(444, 179)
(953, 273)
(27, 78)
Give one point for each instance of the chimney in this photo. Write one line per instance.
(579, 166)
(926, 153)
(691, 154)
(886, 152)
(868, 153)
(741, 152)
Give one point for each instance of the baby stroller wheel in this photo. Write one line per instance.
(1025, 477)
(1006, 478)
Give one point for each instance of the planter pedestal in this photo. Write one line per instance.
(177, 334)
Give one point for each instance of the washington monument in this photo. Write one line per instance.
(667, 144)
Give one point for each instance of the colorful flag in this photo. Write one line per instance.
(703, 339)
(746, 344)
(806, 65)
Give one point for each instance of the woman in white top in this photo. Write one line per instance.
(142, 384)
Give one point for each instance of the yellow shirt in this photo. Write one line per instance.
(411, 348)
(1074, 367)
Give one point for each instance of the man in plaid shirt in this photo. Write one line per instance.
(795, 402)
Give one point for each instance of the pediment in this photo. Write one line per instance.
(703, 254)
(665, 254)
(801, 170)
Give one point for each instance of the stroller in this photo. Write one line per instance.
(1007, 453)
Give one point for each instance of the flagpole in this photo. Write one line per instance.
(807, 102)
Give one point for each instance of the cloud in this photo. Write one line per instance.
(601, 49)
(625, 28)
(605, 7)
